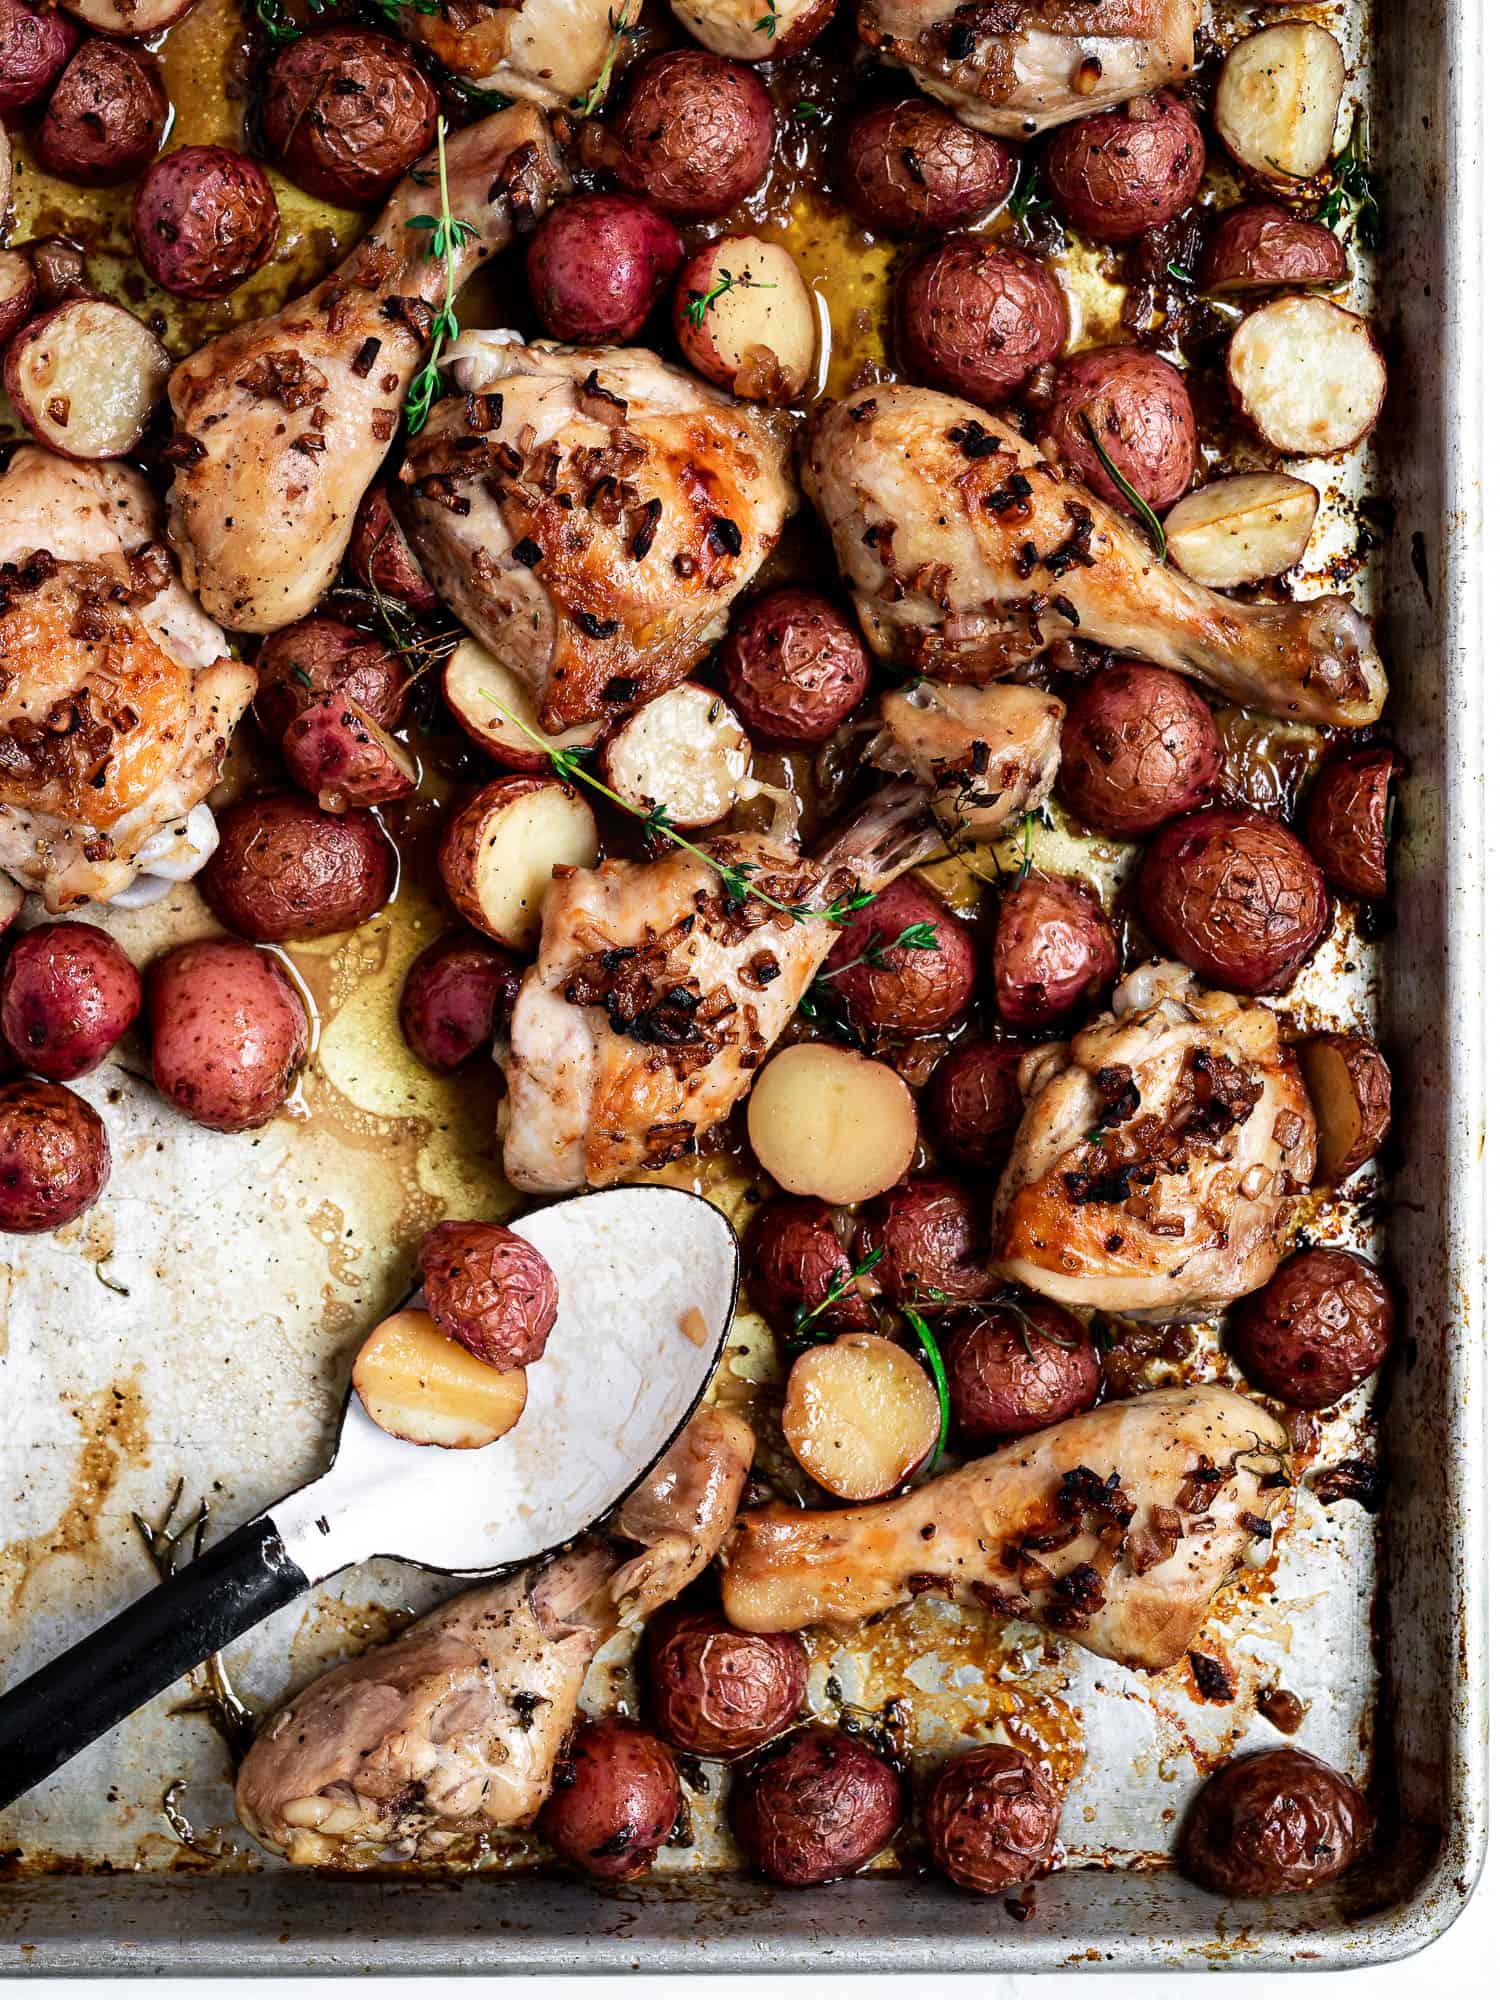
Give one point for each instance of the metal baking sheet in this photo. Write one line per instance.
(196, 1327)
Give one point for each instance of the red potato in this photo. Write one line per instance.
(346, 112)
(61, 271)
(229, 1033)
(1120, 172)
(1242, 528)
(105, 117)
(975, 317)
(693, 132)
(1349, 1083)
(794, 666)
(906, 988)
(490, 1290)
(1235, 896)
(824, 1121)
(1321, 1327)
(17, 292)
(1347, 821)
(796, 1263)
(860, 1416)
(85, 377)
(816, 1805)
(319, 656)
(615, 1798)
(420, 1386)
(457, 997)
(54, 1157)
(684, 753)
(383, 559)
(495, 709)
(973, 1103)
(284, 870)
(932, 1236)
(1140, 411)
(1306, 375)
(1276, 106)
(335, 751)
(744, 319)
(204, 219)
(715, 1692)
(500, 849)
(67, 995)
(1272, 1823)
(1139, 747)
(598, 264)
(1054, 950)
(1018, 1366)
(911, 167)
(991, 1819)
(35, 44)
(1263, 247)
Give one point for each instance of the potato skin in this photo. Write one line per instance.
(991, 1819)
(67, 994)
(793, 1259)
(975, 317)
(346, 112)
(973, 1103)
(914, 990)
(1319, 1329)
(794, 667)
(35, 44)
(1142, 415)
(18, 292)
(284, 870)
(106, 115)
(1361, 1075)
(1272, 1823)
(615, 1798)
(717, 1692)
(1121, 172)
(1345, 821)
(332, 751)
(1262, 246)
(54, 1157)
(694, 132)
(816, 1805)
(204, 219)
(1054, 949)
(933, 1236)
(229, 1033)
(911, 167)
(1139, 747)
(598, 264)
(319, 656)
(1235, 896)
(383, 559)
(1019, 1366)
(457, 997)
(490, 1290)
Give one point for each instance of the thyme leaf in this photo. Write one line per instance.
(1146, 514)
(767, 25)
(447, 239)
(698, 304)
(1027, 201)
(929, 1347)
(805, 1315)
(620, 31)
(1353, 199)
(916, 937)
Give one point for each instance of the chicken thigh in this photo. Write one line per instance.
(452, 1729)
(968, 553)
(1158, 1155)
(283, 422)
(591, 514)
(117, 698)
(1016, 67)
(1115, 1527)
(550, 51)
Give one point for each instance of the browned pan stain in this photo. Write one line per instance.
(114, 1433)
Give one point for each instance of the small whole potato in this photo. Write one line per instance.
(1017, 1366)
(932, 1234)
(598, 264)
(1139, 747)
(717, 1692)
(694, 132)
(1139, 409)
(904, 963)
(794, 666)
(1054, 949)
(285, 870)
(911, 167)
(346, 112)
(383, 559)
(1272, 1823)
(973, 1102)
(204, 219)
(298, 665)
(36, 41)
(795, 1261)
(615, 1798)
(490, 1290)
(1347, 821)
(744, 320)
(456, 999)
(106, 115)
(54, 1157)
(975, 316)
(991, 1819)
(229, 1033)
(1321, 1327)
(1235, 897)
(67, 994)
(816, 1805)
(1120, 172)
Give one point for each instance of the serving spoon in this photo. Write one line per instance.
(646, 1281)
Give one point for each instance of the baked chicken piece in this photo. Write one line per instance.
(117, 697)
(283, 422)
(591, 514)
(549, 51)
(1016, 67)
(968, 553)
(1159, 1154)
(451, 1730)
(1115, 1528)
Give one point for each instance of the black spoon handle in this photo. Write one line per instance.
(63, 1706)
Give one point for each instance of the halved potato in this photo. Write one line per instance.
(744, 318)
(338, 752)
(484, 696)
(1307, 375)
(1239, 529)
(686, 752)
(825, 1121)
(1349, 1083)
(1277, 104)
(860, 1415)
(499, 851)
(85, 377)
(419, 1385)
(17, 292)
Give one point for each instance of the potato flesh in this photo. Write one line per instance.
(515, 852)
(1350, 1088)
(685, 752)
(1307, 375)
(1239, 529)
(419, 1385)
(85, 378)
(825, 1121)
(479, 690)
(860, 1415)
(1277, 105)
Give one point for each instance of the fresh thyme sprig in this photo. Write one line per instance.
(391, 10)
(767, 25)
(698, 304)
(929, 1347)
(805, 1315)
(620, 32)
(447, 239)
(1146, 513)
(1353, 198)
(916, 937)
(278, 24)
(1027, 201)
